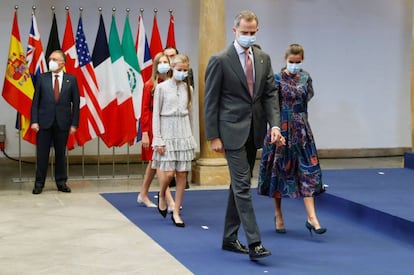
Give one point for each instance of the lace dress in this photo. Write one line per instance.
(292, 170)
(172, 127)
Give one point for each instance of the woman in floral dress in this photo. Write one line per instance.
(293, 170)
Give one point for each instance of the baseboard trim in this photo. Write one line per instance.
(358, 152)
(323, 153)
(362, 152)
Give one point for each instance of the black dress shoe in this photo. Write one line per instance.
(258, 252)
(234, 246)
(37, 190)
(64, 188)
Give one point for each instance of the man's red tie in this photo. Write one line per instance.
(56, 87)
(249, 72)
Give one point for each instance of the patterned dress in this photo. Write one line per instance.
(172, 127)
(292, 170)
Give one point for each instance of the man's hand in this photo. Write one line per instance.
(276, 137)
(216, 145)
(72, 130)
(35, 127)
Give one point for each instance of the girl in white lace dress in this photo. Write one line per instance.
(173, 142)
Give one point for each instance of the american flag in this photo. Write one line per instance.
(89, 85)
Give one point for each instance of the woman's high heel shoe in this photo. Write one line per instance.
(311, 228)
(162, 212)
(141, 201)
(279, 230)
(178, 224)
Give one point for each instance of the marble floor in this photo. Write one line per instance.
(80, 232)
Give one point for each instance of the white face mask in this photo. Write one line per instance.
(53, 66)
(163, 68)
(180, 75)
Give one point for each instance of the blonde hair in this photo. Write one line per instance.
(155, 74)
(295, 49)
(182, 58)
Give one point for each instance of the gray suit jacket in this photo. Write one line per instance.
(229, 109)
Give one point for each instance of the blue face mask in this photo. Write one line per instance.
(163, 68)
(180, 75)
(293, 68)
(246, 41)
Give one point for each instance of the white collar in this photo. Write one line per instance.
(60, 74)
(240, 49)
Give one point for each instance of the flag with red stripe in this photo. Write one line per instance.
(143, 51)
(36, 63)
(171, 34)
(107, 87)
(92, 124)
(126, 115)
(72, 67)
(18, 89)
(156, 44)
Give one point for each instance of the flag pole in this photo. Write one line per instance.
(141, 10)
(83, 146)
(98, 157)
(113, 147)
(128, 152)
(99, 139)
(16, 7)
(113, 161)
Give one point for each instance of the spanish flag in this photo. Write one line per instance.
(18, 87)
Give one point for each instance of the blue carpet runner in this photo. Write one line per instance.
(366, 235)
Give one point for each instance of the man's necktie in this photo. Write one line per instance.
(56, 87)
(249, 72)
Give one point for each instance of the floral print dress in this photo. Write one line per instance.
(292, 170)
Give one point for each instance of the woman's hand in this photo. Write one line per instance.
(145, 140)
(277, 138)
(160, 150)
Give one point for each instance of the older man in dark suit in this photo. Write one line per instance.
(240, 99)
(55, 114)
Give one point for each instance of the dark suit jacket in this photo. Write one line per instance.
(45, 110)
(229, 109)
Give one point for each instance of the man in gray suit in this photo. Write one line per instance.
(237, 108)
(55, 114)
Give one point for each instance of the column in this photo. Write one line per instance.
(211, 168)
